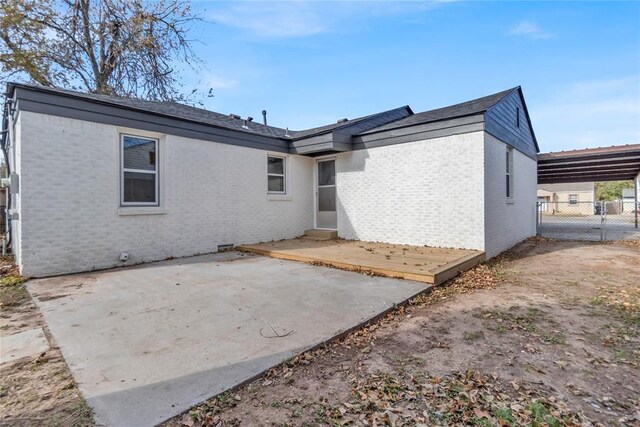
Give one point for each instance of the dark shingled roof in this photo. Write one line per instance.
(330, 128)
(469, 108)
(200, 115)
(171, 109)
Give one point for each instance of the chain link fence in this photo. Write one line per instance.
(595, 221)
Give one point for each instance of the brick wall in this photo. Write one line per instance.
(211, 194)
(419, 193)
(507, 222)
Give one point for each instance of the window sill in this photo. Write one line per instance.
(278, 197)
(141, 210)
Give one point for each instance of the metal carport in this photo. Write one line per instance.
(615, 163)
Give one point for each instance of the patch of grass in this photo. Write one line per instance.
(481, 422)
(80, 415)
(503, 414)
(451, 395)
(392, 386)
(321, 415)
(554, 338)
(622, 354)
(622, 331)
(472, 336)
(12, 290)
(290, 362)
(540, 415)
(226, 399)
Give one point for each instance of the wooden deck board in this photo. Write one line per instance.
(423, 264)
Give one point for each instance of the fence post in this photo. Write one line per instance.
(636, 208)
(603, 212)
(538, 216)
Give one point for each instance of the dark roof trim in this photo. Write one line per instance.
(89, 110)
(341, 137)
(164, 109)
(421, 132)
(302, 134)
(391, 127)
(463, 109)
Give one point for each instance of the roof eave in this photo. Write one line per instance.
(372, 131)
(131, 108)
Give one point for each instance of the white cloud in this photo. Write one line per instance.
(301, 19)
(531, 30)
(277, 20)
(590, 114)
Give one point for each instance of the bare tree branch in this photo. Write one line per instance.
(116, 47)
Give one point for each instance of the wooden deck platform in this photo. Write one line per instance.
(423, 264)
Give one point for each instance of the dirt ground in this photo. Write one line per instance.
(36, 390)
(547, 334)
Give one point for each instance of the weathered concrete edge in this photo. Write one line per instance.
(324, 343)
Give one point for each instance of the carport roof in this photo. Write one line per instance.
(615, 163)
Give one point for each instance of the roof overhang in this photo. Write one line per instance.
(341, 138)
(617, 163)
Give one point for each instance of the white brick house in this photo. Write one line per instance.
(97, 176)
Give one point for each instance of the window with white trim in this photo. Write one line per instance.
(573, 199)
(276, 175)
(138, 171)
(509, 173)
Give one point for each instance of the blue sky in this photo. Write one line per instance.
(311, 63)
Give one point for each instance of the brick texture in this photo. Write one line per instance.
(211, 194)
(442, 192)
(507, 223)
(419, 193)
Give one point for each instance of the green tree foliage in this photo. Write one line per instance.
(114, 47)
(611, 190)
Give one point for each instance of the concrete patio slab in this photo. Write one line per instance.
(22, 344)
(146, 343)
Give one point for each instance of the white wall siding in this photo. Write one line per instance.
(14, 160)
(507, 222)
(418, 193)
(211, 194)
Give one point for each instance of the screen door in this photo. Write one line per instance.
(326, 195)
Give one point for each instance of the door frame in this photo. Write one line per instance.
(315, 190)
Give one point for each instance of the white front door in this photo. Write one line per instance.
(326, 216)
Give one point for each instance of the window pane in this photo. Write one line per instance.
(327, 199)
(139, 153)
(327, 173)
(139, 187)
(276, 165)
(276, 183)
(508, 186)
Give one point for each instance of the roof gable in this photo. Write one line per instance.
(509, 121)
